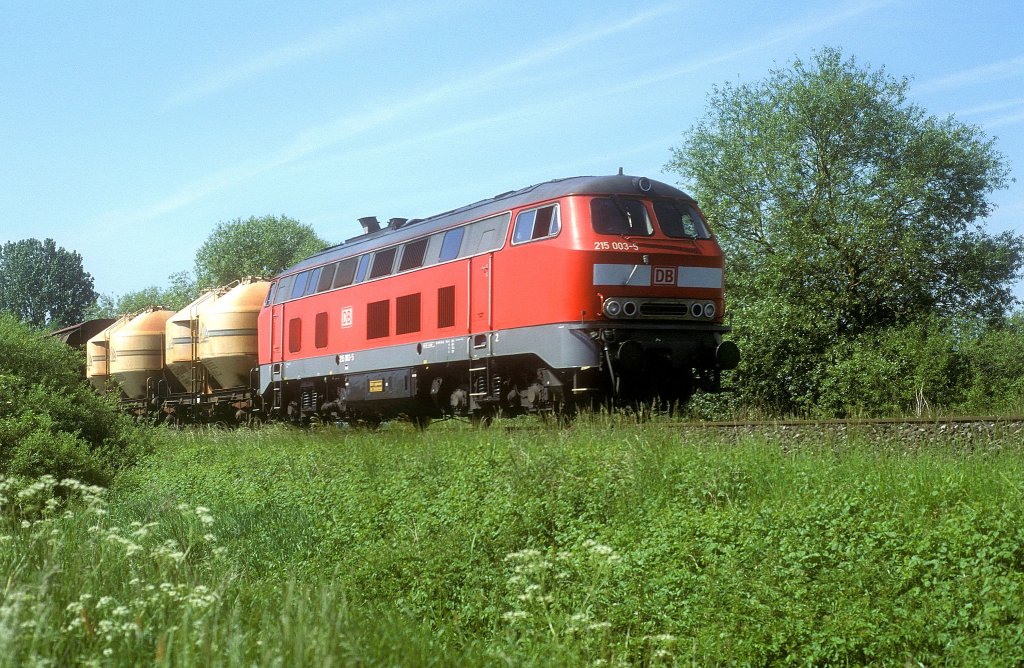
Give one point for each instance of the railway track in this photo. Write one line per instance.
(856, 422)
(961, 431)
(918, 422)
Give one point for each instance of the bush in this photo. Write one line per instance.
(51, 422)
(924, 367)
(997, 369)
(912, 369)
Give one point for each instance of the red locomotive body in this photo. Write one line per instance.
(554, 296)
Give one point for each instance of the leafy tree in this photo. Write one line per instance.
(254, 247)
(180, 293)
(43, 284)
(843, 209)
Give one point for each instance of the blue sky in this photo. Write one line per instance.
(129, 130)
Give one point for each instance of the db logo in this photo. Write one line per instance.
(346, 316)
(664, 275)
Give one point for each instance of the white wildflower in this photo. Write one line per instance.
(515, 615)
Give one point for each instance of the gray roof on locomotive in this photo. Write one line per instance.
(618, 184)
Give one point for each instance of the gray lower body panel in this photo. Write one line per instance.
(559, 346)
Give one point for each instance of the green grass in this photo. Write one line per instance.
(604, 544)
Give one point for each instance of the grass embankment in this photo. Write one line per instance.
(603, 544)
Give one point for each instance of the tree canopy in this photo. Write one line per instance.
(843, 209)
(180, 293)
(254, 247)
(44, 284)
(829, 188)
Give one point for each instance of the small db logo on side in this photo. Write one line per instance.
(664, 276)
(346, 316)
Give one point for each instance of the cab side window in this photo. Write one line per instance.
(536, 224)
(284, 288)
(451, 244)
(345, 273)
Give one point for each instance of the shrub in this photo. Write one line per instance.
(997, 369)
(51, 422)
(912, 369)
(929, 366)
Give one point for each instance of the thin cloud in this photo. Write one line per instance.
(992, 106)
(357, 30)
(1003, 121)
(320, 137)
(1013, 112)
(574, 41)
(998, 71)
(805, 27)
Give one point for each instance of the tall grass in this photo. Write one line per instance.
(605, 544)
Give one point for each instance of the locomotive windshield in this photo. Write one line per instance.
(680, 220)
(619, 215)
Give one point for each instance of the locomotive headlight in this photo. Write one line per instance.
(696, 310)
(612, 308)
(709, 310)
(629, 309)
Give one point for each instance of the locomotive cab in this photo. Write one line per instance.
(658, 275)
(631, 264)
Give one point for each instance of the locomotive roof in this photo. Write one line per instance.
(618, 184)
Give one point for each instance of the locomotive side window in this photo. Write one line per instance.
(383, 262)
(294, 335)
(346, 272)
(680, 220)
(284, 288)
(412, 254)
(619, 215)
(536, 224)
(321, 330)
(407, 314)
(378, 324)
(326, 277)
(270, 294)
(433, 252)
(451, 244)
(485, 235)
(300, 285)
(314, 278)
(364, 263)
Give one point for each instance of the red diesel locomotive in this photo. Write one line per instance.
(556, 296)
